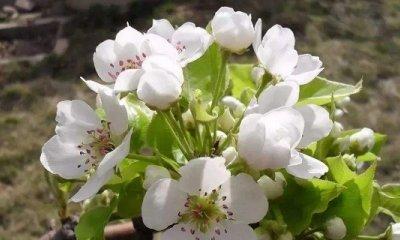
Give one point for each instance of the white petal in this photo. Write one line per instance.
(77, 112)
(112, 158)
(184, 231)
(153, 174)
(191, 41)
(162, 204)
(159, 89)
(284, 94)
(92, 186)
(104, 59)
(163, 28)
(127, 43)
(308, 67)
(62, 159)
(309, 168)
(279, 37)
(115, 113)
(203, 175)
(156, 45)
(233, 230)
(164, 63)
(97, 87)
(72, 133)
(317, 123)
(128, 80)
(258, 31)
(244, 199)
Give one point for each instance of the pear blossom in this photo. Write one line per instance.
(190, 41)
(335, 229)
(273, 129)
(85, 145)
(233, 30)
(276, 53)
(205, 203)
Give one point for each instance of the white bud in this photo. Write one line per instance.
(350, 160)
(236, 106)
(226, 121)
(221, 137)
(257, 74)
(272, 189)
(337, 128)
(232, 30)
(286, 236)
(396, 231)
(230, 154)
(339, 113)
(362, 140)
(188, 119)
(343, 103)
(335, 229)
(153, 174)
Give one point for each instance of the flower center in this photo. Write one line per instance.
(97, 145)
(180, 47)
(131, 63)
(203, 211)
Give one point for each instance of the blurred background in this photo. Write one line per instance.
(46, 45)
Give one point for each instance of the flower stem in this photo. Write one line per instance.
(151, 159)
(265, 80)
(176, 133)
(219, 85)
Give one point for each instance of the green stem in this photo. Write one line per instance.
(366, 237)
(188, 138)
(176, 133)
(151, 159)
(219, 85)
(181, 131)
(265, 80)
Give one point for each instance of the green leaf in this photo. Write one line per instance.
(380, 140)
(390, 200)
(91, 223)
(131, 198)
(240, 75)
(355, 203)
(203, 73)
(367, 157)
(320, 91)
(159, 137)
(304, 198)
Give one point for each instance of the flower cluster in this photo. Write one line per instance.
(205, 149)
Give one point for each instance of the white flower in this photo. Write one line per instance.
(362, 140)
(205, 203)
(84, 145)
(147, 63)
(230, 154)
(335, 229)
(276, 53)
(190, 41)
(153, 174)
(272, 130)
(232, 30)
(272, 188)
(396, 231)
(337, 128)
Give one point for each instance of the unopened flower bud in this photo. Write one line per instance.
(226, 121)
(153, 174)
(362, 141)
(236, 106)
(188, 119)
(337, 128)
(221, 137)
(343, 103)
(339, 113)
(257, 74)
(230, 154)
(335, 229)
(343, 144)
(232, 30)
(395, 231)
(272, 188)
(286, 236)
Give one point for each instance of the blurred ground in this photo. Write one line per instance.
(355, 39)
